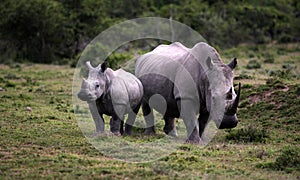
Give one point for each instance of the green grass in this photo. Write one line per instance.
(46, 142)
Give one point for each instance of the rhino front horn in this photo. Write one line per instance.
(236, 101)
(233, 108)
(84, 84)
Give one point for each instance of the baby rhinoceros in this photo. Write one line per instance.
(113, 93)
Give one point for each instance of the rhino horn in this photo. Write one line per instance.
(84, 84)
(88, 64)
(234, 106)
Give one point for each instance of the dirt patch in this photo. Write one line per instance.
(267, 96)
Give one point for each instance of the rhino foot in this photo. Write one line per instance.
(192, 141)
(150, 131)
(127, 133)
(98, 133)
(173, 133)
(115, 133)
(128, 130)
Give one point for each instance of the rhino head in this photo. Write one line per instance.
(96, 84)
(226, 91)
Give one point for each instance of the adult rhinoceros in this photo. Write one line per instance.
(113, 93)
(190, 82)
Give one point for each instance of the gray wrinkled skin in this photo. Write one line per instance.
(113, 93)
(181, 76)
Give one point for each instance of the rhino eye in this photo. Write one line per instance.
(97, 86)
(229, 96)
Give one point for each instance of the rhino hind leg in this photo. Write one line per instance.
(170, 128)
(149, 118)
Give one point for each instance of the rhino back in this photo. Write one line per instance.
(173, 62)
(126, 88)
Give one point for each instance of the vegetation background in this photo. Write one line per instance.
(56, 31)
(39, 134)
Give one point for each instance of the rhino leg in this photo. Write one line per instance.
(131, 119)
(170, 128)
(188, 114)
(97, 117)
(115, 124)
(149, 118)
(122, 128)
(203, 118)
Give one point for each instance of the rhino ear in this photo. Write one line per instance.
(233, 63)
(103, 66)
(209, 63)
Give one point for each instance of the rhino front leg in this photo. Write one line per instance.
(98, 119)
(202, 119)
(149, 118)
(188, 114)
(170, 128)
(117, 119)
(115, 126)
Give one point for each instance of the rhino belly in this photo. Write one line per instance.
(160, 89)
(105, 106)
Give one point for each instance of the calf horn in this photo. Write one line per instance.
(235, 103)
(88, 63)
(84, 84)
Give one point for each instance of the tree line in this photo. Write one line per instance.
(47, 31)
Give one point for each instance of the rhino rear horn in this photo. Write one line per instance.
(232, 63)
(88, 64)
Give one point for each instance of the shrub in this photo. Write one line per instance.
(269, 58)
(253, 64)
(248, 134)
(289, 66)
(289, 159)
(243, 75)
(251, 55)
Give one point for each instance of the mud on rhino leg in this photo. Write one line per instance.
(130, 121)
(149, 118)
(170, 128)
(188, 114)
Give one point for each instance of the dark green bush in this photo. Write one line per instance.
(55, 31)
(253, 64)
(243, 75)
(289, 159)
(248, 134)
(269, 58)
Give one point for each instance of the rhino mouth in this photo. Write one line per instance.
(228, 122)
(82, 95)
(230, 119)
